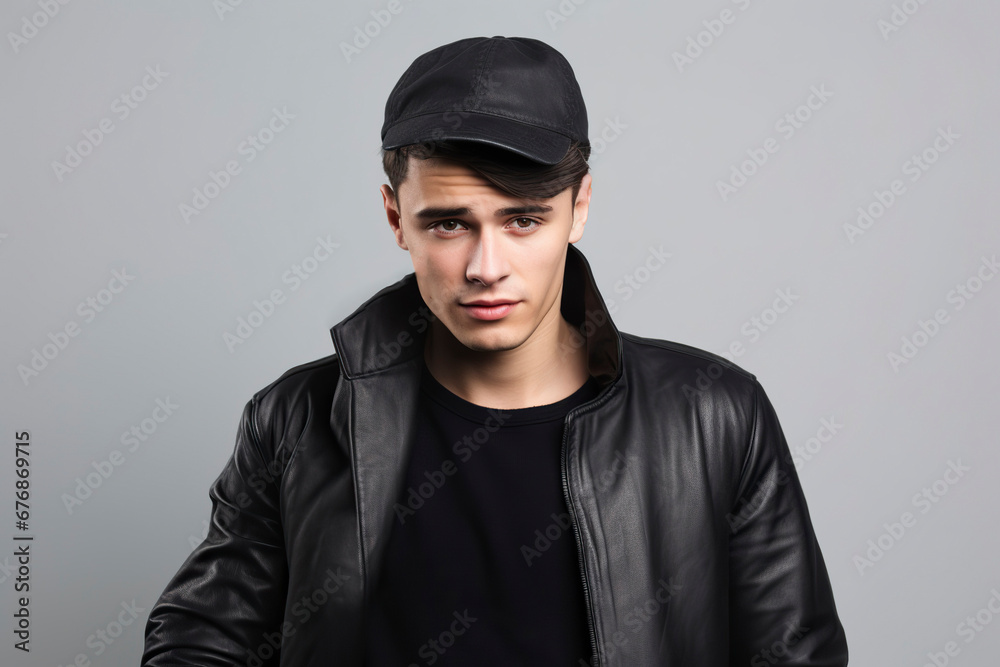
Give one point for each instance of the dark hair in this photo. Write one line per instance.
(512, 174)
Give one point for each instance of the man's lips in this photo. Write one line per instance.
(482, 302)
(488, 310)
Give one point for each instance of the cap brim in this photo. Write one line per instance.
(533, 142)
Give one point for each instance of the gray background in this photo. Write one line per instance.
(669, 135)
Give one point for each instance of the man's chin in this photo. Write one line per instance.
(488, 343)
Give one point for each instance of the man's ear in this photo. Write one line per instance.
(581, 208)
(391, 205)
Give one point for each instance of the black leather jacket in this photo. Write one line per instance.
(695, 543)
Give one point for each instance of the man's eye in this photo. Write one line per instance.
(518, 220)
(446, 222)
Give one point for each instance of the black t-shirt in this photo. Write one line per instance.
(481, 567)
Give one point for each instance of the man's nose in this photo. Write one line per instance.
(487, 263)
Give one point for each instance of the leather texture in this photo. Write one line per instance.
(695, 542)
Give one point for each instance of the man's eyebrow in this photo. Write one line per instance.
(441, 212)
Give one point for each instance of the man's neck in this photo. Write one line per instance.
(548, 367)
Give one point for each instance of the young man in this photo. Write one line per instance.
(488, 472)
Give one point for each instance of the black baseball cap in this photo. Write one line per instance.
(517, 93)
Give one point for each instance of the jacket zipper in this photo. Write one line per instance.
(579, 550)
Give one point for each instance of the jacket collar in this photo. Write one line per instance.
(389, 328)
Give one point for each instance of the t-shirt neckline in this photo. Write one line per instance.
(530, 415)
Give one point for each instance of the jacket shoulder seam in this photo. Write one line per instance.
(752, 436)
(291, 372)
(262, 393)
(690, 351)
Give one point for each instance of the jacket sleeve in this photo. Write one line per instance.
(229, 594)
(781, 602)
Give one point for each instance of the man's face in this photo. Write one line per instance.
(470, 242)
